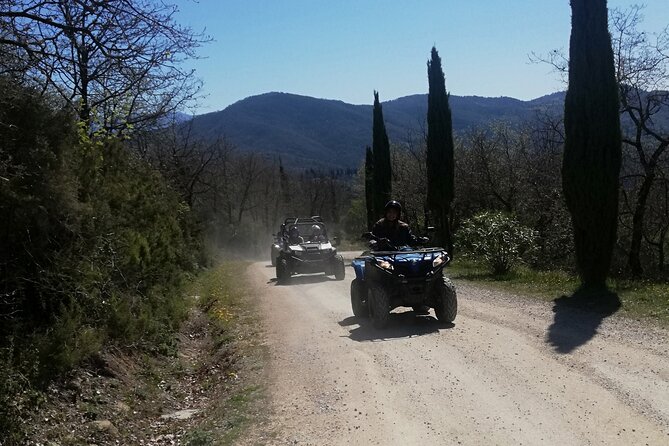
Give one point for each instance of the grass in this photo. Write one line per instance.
(640, 299)
(224, 296)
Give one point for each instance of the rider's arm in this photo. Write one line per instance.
(377, 229)
(409, 237)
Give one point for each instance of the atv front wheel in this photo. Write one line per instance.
(359, 299)
(379, 306)
(446, 301)
(282, 272)
(339, 267)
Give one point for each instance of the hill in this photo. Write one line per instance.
(326, 133)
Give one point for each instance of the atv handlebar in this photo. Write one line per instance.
(374, 240)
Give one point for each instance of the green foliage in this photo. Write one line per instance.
(17, 396)
(94, 248)
(354, 221)
(198, 437)
(592, 154)
(440, 161)
(369, 188)
(497, 239)
(382, 170)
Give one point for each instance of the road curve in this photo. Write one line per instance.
(509, 371)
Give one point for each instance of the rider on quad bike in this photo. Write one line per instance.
(391, 230)
(400, 271)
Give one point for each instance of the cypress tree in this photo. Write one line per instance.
(381, 151)
(369, 188)
(440, 183)
(592, 154)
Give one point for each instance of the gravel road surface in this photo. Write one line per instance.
(509, 371)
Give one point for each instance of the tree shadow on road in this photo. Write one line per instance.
(400, 325)
(577, 318)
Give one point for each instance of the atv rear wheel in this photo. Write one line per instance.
(446, 301)
(272, 258)
(282, 272)
(379, 306)
(359, 299)
(338, 267)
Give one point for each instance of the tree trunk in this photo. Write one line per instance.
(634, 259)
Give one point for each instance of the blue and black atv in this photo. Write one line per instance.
(387, 277)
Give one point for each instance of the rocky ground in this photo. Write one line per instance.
(201, 395)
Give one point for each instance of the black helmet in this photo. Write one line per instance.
(393, 204)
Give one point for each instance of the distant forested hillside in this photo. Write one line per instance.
(310, 132)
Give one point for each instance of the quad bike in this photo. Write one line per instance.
(307, 255)
(389, 276)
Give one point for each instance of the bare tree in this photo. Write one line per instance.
(642, 69)
(118, 63)
(192, 165)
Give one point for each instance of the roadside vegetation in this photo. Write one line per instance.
(112, 213)
(204, 391)
(645, 299)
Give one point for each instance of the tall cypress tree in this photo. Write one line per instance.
(440, 182)
(369, 188)
(381, 151)
(592, 154)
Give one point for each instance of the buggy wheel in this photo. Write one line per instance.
(359, 299)
(379, 306)
(282, 272)
(272, 258)
(446, 301)
(339, 267)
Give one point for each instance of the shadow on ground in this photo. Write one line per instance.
(304, 280)
(401, 325)
(577, 318)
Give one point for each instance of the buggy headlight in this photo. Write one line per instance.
(438, 261)
(386, 265)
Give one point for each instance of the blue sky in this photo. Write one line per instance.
(345, 49)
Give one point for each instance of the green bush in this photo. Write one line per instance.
(497, 239)
(94, 249)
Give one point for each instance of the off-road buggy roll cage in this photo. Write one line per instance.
(306, 253)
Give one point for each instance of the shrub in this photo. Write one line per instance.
(496, 238)
(94, 249)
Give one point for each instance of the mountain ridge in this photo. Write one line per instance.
(330, 133)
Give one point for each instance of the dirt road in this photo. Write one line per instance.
(509, 371)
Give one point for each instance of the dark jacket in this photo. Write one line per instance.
(397, 232)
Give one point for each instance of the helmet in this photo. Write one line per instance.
(393, 204)
(316, 230)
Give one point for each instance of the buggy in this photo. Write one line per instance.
(305, 248)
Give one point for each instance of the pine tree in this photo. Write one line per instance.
(381, 151)
(369, 188)
(592, 154)
(440, 182)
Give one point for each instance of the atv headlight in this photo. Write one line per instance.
(386, 265)
(438, 261)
